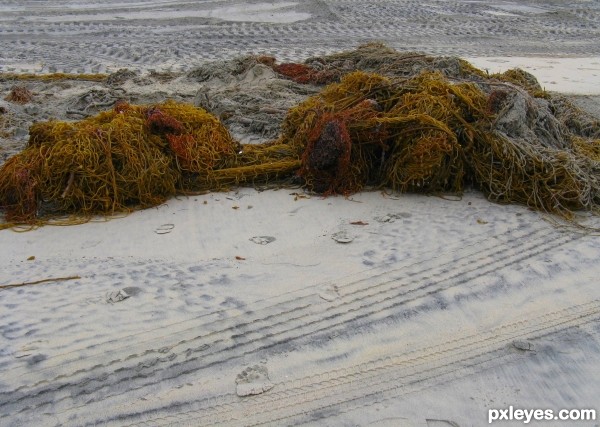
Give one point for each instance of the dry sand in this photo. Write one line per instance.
(275, 307)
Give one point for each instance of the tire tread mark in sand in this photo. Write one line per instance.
(389, 374)
(272, 312)
(500, 341)
(192, 325)
(355, 22)
(308, 328)
(541, 249)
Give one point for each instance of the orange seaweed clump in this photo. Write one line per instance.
(19, 95)
(340, 148)
(302, 73)
(161, 123)
(20, 189)
(407, 135)
(130, 156)
(326, 160)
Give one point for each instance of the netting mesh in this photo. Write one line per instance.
(421, 124)
(432, 134)
(110, 162)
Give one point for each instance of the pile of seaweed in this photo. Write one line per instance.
(384, 120)
(434, 134)
(372, 57)
(133, 156)
(375, 57)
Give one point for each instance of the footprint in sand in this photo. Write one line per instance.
(253, 380)
(165, 229)
(262, 240)
(392, 217)
(343, 237)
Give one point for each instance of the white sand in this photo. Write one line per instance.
(422, 307)
(258, 12)
(577, 76)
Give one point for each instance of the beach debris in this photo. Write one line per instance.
(253, 380)
(38, 282)
(343, 237)
(19, 95)
(386, 120)
(358, 223)
(303, 73)
(430, 134)
(262, 240)
(298, 196)
(128, 156)
(433, 423)
(117, 296)
(120, 76)
(481, 221)
(31, 258)
(240, 258)
(53, 76)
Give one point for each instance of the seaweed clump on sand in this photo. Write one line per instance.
(19, 94)
(128, 156)
(373, 57)
(422, 124)
(131, 157)
(433, 134)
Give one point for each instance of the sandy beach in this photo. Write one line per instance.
(273, 306)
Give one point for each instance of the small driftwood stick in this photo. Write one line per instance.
(37, 282)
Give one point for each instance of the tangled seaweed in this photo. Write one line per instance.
(52, 77)
(19, 95)
(302, 73)
(401, 134)
(133, 156)
(427, 125)
(109, 162)
(374, 57)
(430, 134)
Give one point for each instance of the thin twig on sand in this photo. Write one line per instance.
(37, 282)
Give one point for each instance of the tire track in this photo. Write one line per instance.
(458, 28)
(113, 346)
(239, 339)
(352, 286)
(393, 375)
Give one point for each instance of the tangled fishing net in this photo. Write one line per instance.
(386, 119)
(376, 58)
(129, 156)
(434, 134)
